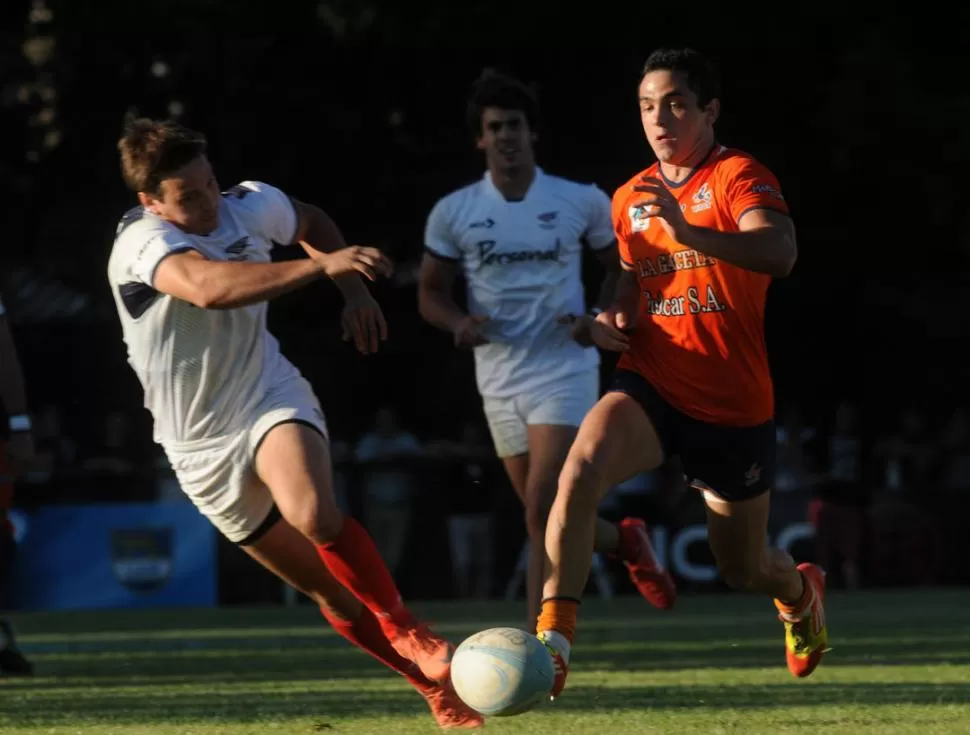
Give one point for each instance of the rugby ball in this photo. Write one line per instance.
(502, 672)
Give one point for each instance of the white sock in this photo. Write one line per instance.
(558, 642)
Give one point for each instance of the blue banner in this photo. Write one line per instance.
(114, 556)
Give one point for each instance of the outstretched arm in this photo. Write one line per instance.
(210, 284)
(188, 275)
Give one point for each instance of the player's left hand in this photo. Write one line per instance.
(665, 207)
(363, 322)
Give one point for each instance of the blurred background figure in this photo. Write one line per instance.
(16, 455)
(387, 488)
(841, 499)
(473, 475)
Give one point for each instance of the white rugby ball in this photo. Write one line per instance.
(502, 672)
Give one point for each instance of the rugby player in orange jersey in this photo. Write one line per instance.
(701, 234)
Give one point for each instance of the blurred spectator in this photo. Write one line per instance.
(16, 455)
(119, 464)
(904, 540)
(905, 457)
(838, 509)
(474, 471)
(386, 484)
(955, 460)
(342, 455)
(55, 453)
(793, 470)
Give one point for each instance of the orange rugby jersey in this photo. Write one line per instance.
(699, 338)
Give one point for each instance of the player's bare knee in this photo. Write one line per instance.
(319, 522)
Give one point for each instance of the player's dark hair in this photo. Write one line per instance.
(153, 150)
(494, 89)
(702, 76)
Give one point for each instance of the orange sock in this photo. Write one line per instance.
(559, 614)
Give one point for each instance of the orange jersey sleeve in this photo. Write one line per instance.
(748, 185)
(699, 337)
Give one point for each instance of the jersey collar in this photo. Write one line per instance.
(493, 190)
(712, 153)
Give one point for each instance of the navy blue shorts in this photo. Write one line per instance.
(735, 462)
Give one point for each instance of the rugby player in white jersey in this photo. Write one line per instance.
(517, 237)
(190, 272)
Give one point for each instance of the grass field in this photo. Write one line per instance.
(900, 664)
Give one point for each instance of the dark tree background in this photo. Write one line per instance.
(358, 106)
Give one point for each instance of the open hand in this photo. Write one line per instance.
(363, 322)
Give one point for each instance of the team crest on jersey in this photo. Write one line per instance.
(639, 218)
(547, 220)
(486, 224)
(703, 198)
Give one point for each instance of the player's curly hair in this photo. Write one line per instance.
(153, 150)
(702, 76)
(495, 89)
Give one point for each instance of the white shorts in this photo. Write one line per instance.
(217, 473)
(560, 403)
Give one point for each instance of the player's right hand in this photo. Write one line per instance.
(468, 333)
(606, 333)
(368, 262)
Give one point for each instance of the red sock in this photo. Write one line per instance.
(366, 633)
(354, 560)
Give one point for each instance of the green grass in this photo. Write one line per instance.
(900, 664)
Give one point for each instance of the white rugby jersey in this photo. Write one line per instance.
(203, 370)
(522, 261)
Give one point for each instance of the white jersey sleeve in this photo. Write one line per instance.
(146, 243)
(267, 210)
(599, 233)
(439, 237)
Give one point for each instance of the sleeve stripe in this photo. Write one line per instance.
(779, 210)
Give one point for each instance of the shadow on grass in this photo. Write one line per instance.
(246, 707)
(227, 662)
